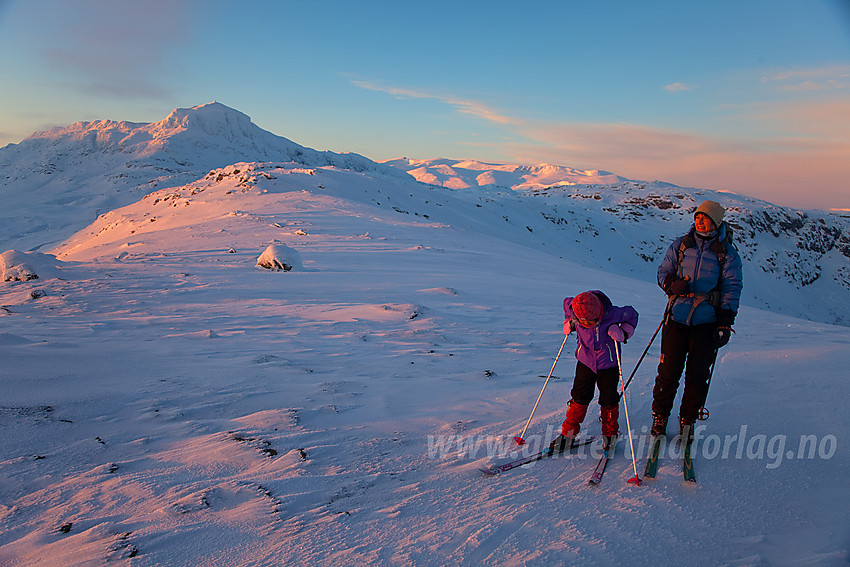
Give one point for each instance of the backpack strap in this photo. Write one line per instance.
(688, 241)
(719, 248)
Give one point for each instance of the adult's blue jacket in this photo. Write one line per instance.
(701, 265)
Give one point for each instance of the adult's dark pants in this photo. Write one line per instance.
(688, 348)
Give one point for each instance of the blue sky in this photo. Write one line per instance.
(746, 96)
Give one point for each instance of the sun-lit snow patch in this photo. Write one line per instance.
(440, 290)
(466, 174)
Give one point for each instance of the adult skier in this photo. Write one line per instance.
(599, 326)
(701, 274)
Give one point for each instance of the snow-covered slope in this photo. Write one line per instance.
(167, 402)
(55, 182)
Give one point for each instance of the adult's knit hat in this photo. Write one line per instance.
(587, 306)
(713, 210)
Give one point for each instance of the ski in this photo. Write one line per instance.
(688, 462)
(652, 462)
(607, 449)
(533, 458)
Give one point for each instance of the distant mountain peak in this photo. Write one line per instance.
(212, 119)
(214, 108)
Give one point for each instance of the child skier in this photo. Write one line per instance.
(599, 326)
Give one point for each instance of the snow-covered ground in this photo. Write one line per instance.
(167, 402)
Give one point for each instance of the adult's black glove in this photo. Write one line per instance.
(674, 285)
(725, 320)
(721, 336)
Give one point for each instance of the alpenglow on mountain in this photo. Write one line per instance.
(55, 183)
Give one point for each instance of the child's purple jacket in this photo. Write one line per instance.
(595, 348)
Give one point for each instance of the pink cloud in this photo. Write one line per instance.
(828, 118)
(810, 79)
(464, 106)
(677, 87)
(804, 171)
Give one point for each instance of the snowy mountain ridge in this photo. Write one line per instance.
(101, 165)
(57, 182)
(457, 174)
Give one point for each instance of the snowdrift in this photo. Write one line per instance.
(277, 257)
(26, 266)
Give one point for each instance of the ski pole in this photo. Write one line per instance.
(652, 340)
(703, 411)
(636, 479)
(519, 440)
